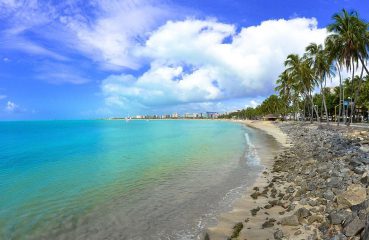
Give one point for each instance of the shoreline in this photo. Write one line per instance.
(318, 188)
(241, 208)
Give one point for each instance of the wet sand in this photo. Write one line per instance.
(241, 212)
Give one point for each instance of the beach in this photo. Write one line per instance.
(243, 206)
(315, 187)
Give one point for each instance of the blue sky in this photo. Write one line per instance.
(91, 59)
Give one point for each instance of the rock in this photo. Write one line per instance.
(364, 148)
(269, 223)
(255, 211)
(255, 195)
(278, 235)
(354, 195)
(290, 189)
(302, 213)
(312, 203)
(315, 218)
(359, 169)
(339, 236)
(237, 229)
(353, 227)
(324, 227)
(337, 217)
(329, 195)
(334, 182)
(298, 232)
(290, 221)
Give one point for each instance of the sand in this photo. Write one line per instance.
(241, 209)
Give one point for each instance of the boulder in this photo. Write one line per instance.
(354, 195)
(353, 227)
(290, 221)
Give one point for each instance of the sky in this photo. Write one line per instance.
(77, 59)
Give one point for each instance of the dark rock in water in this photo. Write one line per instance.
(237, 229)
(269, 223)
(255, 195)
(255, 211)
(278, 235)
(353, 227)
(290, 220)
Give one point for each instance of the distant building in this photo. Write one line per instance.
(175, 115)
(271, 117)
(212, 115)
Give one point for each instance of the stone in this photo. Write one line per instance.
(278, 235)
(302, 213)
(312, 203)
(354, 195)
(268, 224)
(353, 227)
(329, 195)
(315, 218)
(337, 217)
(298, 232)
(339, 236)
(290, 221)
(255, 211)
(255, 195)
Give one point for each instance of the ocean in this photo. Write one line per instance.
(99, 179)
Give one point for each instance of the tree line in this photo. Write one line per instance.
(302, 92)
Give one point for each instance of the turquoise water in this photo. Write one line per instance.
(118, 179)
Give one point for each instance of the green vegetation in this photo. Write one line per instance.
(301, 87)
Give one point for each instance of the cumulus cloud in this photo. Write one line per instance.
(11, 107)
(194, 61)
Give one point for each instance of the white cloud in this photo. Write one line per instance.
(196, 61)
(57, 73)
(11, 107)
(119, 26)
(102, 30)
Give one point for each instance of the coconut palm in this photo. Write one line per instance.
(322, 68)
(303, 76)
(350, 34)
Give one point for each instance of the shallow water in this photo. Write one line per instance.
(121, 180)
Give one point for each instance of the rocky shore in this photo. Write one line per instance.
(316, 189)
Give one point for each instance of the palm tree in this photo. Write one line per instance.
(321, 66)
(350, 33)
(300, 70)
(334, 57)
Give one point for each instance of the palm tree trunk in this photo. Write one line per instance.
(364, 66)
(352, 91)
(357, 92)
(324, 103)
(339, 105)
